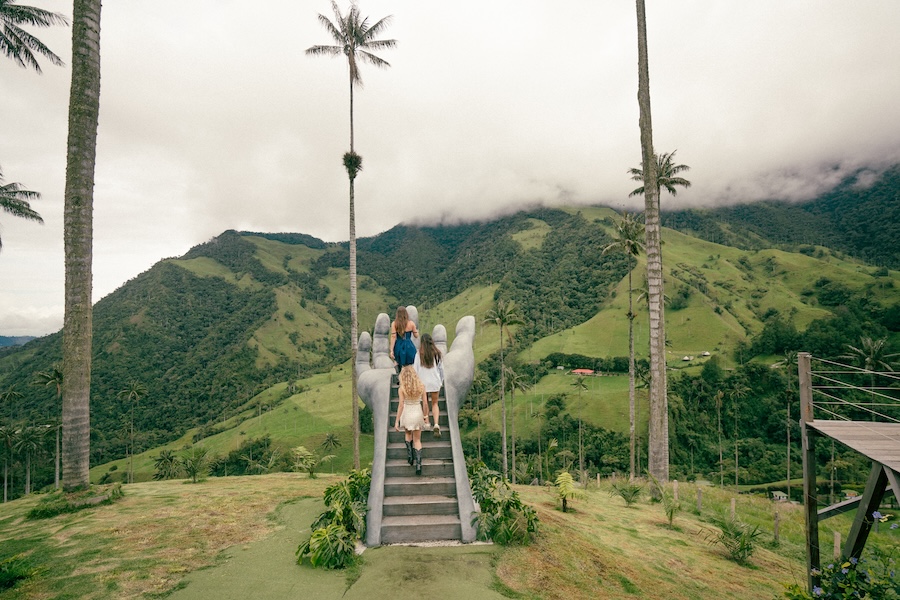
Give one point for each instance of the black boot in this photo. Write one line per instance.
(409, 453)
(418, 461)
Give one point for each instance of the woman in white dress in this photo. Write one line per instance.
(410, 417)
(431, 372)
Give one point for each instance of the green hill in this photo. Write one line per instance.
(246, 336)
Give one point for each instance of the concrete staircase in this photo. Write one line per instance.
(419, 508)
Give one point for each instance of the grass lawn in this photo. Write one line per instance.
(235, 537)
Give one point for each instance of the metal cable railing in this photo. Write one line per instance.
(848, 393)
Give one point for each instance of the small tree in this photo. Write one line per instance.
(132, 393)
(167, 465)
(195, 463)
(304, 460)
(565, 489)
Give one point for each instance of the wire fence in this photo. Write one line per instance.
(843, 392)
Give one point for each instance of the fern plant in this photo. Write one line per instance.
(629, 491)
(329, 547)
(565, 489)
(671, 506)
(738, 538)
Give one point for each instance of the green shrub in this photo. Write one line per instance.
(872, 576)
(629, 491)
(503, 518)
(332, 543)
(738, 538)
(195, 463)
(13, 570)
(565, 489)
(329, 547)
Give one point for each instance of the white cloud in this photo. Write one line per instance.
(212, 118)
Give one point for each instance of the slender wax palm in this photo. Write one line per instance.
(19, 45)
(354, 38)
(666, 175)
(504, 315)
(84, 110)
(132, 393)
(658, 463)
(53, 378)
(629, 240)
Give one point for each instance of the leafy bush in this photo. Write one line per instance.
(167, 466)
(629, 491)
(868, 577)
(671, 506)
(329, 547)
(304, 460)
(59, 503)
(195, 463)
(13, 570)
(503, 517)
(737, 537)
(332, 542)
(565, 489)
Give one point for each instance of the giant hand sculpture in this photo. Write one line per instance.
(374, 387)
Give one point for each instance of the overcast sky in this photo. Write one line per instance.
(213, 118)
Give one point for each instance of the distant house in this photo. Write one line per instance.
(779, 496)
(582, 371)
(705, 354)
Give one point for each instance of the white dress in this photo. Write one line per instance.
(432, 377)
(412, 418)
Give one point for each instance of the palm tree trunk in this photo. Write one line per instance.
(512, 421)
(658, 459)
(503, 408)
(354, 313)
(27, 473)
(631, 391)
(5, 479)
(84, 107)
(56, 478)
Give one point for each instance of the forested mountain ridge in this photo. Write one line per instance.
(858, 217)
(207, 332)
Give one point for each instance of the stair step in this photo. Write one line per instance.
(420, 528)
(396, 506)
(431, 467)
(419, 486)
(430, 449)
(428, 437)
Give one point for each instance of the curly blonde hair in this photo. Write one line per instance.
(410, 383)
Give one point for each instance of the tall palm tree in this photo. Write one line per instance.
(8, 438)
(8, 397)
(871, 355)
(628, 239)
(132, 393)
(14, 199)
(28, 443)
(329, 444)
(658, 460)
(790, 364)
(354, 38)
(514, 381)
(84, 108)
(19, 45)
(503, 315)
(53, 378)
(666, 175)
(738, 392)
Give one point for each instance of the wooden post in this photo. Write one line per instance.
(733, 508)
(675, 489)
(837, 545)
(810, 496)
(699, 500)
(863, 521)
(777, 525)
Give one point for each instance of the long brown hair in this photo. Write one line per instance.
(400, 321)
(410, 383)
(429, 354)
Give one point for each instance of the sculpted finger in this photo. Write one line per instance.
(413, 313)
(439, 335)
(362, 352)
(381, 344)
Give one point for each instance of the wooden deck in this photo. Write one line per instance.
(879, 441)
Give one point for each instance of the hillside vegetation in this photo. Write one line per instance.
(243, 342)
